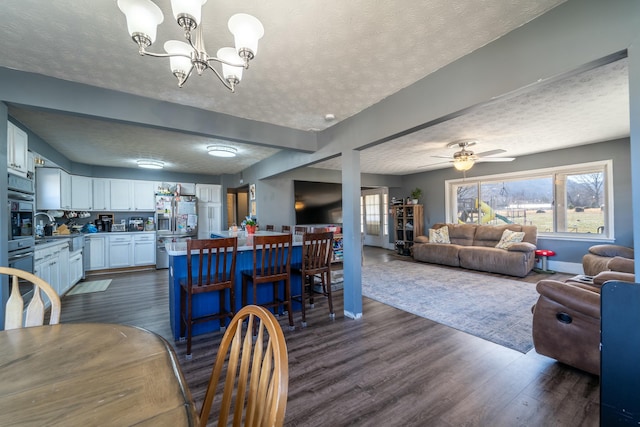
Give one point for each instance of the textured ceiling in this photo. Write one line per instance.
(316, 57)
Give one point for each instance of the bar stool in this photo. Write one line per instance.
(211, 270)
(272, 266)
(317, 252)
(299, 230)
(286, 229)
(270, 227)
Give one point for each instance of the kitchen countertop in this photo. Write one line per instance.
(245, 243)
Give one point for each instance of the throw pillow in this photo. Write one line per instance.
(441, 235)
(421, 239)
(509, 238)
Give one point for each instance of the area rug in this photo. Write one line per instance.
(91, 286)
(492, 308)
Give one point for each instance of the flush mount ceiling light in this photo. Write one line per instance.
(143, 17)
(222, 151)
(150, 164)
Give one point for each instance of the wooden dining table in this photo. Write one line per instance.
(89, 375)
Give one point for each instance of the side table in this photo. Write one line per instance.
(543, 255)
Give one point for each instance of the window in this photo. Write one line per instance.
(572, 201)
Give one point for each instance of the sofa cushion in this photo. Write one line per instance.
(440, 235)
(612, 251)
(509, 238)
(421, 239)
(437, 253)
(459, 234)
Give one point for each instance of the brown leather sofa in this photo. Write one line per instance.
(566, 324)
(472, 246)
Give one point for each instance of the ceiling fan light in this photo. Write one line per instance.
(189, 9)
(150, 164)
(231, 72)
(246, 30)
(143, 18)
(222, 151)
(463, 163)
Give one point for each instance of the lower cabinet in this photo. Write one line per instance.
(120, 251)
(144, 249)
(75, 267)
(51, 265)
(96, 245)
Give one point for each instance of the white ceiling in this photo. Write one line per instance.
(317, 57)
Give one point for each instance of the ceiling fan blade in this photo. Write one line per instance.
(442, 157)
(491, 153)
(496, 159)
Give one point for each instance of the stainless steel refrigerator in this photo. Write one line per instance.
(176, 219)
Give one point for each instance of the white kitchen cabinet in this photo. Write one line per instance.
(81, 193)
(144, 196)
(121, 197)
(17, 147)
(53, 189)
(120, 250)
(75, 268)
(101, 194)
(144, 251)
(51, 264)
(96, 245)
(209, 193)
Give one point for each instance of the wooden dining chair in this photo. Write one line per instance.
(270, 227)
(255, 388)
(317, 254)
(286, 229)
(14, 310)
(210, 268)
(271, 264)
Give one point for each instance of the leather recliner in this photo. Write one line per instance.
(599, 256)
(566, 324)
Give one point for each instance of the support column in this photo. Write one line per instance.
(352, 262)
(634, 120)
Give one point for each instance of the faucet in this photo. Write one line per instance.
(51, 218)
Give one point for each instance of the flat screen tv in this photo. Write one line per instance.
(318, 202)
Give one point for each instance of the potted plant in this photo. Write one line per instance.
(250, 225)
(415, 195)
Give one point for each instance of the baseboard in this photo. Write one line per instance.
(565, 267)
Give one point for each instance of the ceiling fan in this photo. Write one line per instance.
(464, 159)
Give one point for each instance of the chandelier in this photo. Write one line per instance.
(144, 16)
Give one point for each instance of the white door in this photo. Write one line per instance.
(374, 224)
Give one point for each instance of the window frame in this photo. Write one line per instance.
(578, 168)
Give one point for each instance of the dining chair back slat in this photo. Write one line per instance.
(14, 308)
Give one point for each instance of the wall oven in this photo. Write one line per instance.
(21, 245)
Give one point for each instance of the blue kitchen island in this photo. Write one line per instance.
(209, 302)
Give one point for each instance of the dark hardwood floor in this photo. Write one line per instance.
(390, 368)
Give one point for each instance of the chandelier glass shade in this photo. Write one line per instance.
(222, 151)
(144, 16)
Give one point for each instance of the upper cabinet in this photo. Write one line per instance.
(144, 196)
(81, 193)
(53, 189)
(101, 194)
(121, 195)
(17, 147)
(209, 193)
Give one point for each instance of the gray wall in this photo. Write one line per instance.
(433, 186)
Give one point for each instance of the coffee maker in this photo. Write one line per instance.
(136, 223)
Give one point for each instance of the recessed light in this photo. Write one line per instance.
(150, 164)
(222, 151)
(329, 117)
